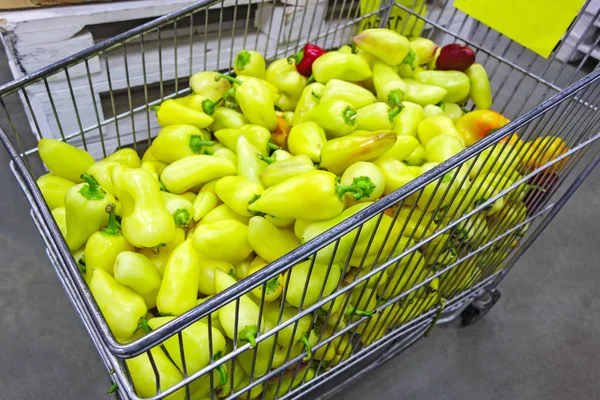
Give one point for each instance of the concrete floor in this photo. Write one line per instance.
(541, 341)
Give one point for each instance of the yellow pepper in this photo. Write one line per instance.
(146, 221)
(121, 307)
(205, 84)
(102, 173)
(139, 274)
(268, 241)
(85, 206)
(222, 212)
(103, 247)
(144, 378)
(53, 189)
(179, 289)
(192, 171)
(64, 160)
(206, 283)
(125, 156)
(237, 192)
(160, 255)
(175, 142)
(225, 240)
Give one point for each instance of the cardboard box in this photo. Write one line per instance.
(20, 4)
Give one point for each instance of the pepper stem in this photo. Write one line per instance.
(308, 347)
(230, 99)
(91, 191)
(229, 78)
(296, 58)
(394, 112)
(272, 146)
(268, 160)
(209, 106)
(181, 218)
(315, 95)
(361, 313)
(113, 227)
(442, 105)
(155, 107)
(143, 324)
(220, 370)
(81, 266)
(311, 79)
(395, 97)
(361, 187)
(197, 143)
(249, 334)
(112, 389)
(349, 115)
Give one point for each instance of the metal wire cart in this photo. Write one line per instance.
(465, 260)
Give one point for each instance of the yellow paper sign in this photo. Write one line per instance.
(400, 20)
(536, 24)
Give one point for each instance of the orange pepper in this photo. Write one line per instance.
(543, 150)
(475, 125)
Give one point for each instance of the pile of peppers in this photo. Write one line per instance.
(252, 165)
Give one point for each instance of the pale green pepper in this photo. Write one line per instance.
(192, 171)
(356, 96)
(307, 138)
(308, 100)
(268, 241)
(408, 120)
(225, 240)
(279, 171)
(320, 278)
(456, 83)
(375, 117)
(175, 142)
(139, 274)
(236, 192)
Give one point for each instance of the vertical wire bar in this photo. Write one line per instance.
(57, 119)
(16, 135)
(258, 330)
(154, 369)
(206, 39)
(235, 9)
(183, 363)
(191, 40)
(246, 25)
(125, 57)
(220, 34)
(75, 108)
(160, 67)
(146, 89)
(89, 76)
(261, 9)
(38, 131)
(112, 100)
(211, 377)
(175, 61)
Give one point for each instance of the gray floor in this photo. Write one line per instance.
(542, 340)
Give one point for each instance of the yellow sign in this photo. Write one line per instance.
(400, 20)
(536, 24)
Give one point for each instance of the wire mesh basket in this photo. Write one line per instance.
(414, 258)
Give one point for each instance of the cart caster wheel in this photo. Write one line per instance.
(479, 307)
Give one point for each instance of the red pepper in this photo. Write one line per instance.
(306, 57)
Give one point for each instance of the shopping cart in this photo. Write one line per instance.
(460, 282)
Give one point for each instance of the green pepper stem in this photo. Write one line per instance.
(155, 107)
(113, 228)
(81, 266)
(229, 78)
(296, 58)
(395, 97)
(268, 160)
(361, 313)
(315, 95)
(410, 59)
(308, 347)
(394, 112)
(143, 324)
(209, 106)
(220, 370)
(197, 143)
(91, 191)
(361, 187)
(156, 249)
(437, 316)
(311, 79)
(442, 105)
(272, 146)
(209, 152)
(349, 115)
(249, 334)
(112, 389)
(181, 217)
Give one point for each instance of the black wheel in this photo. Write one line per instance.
(479, 307)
